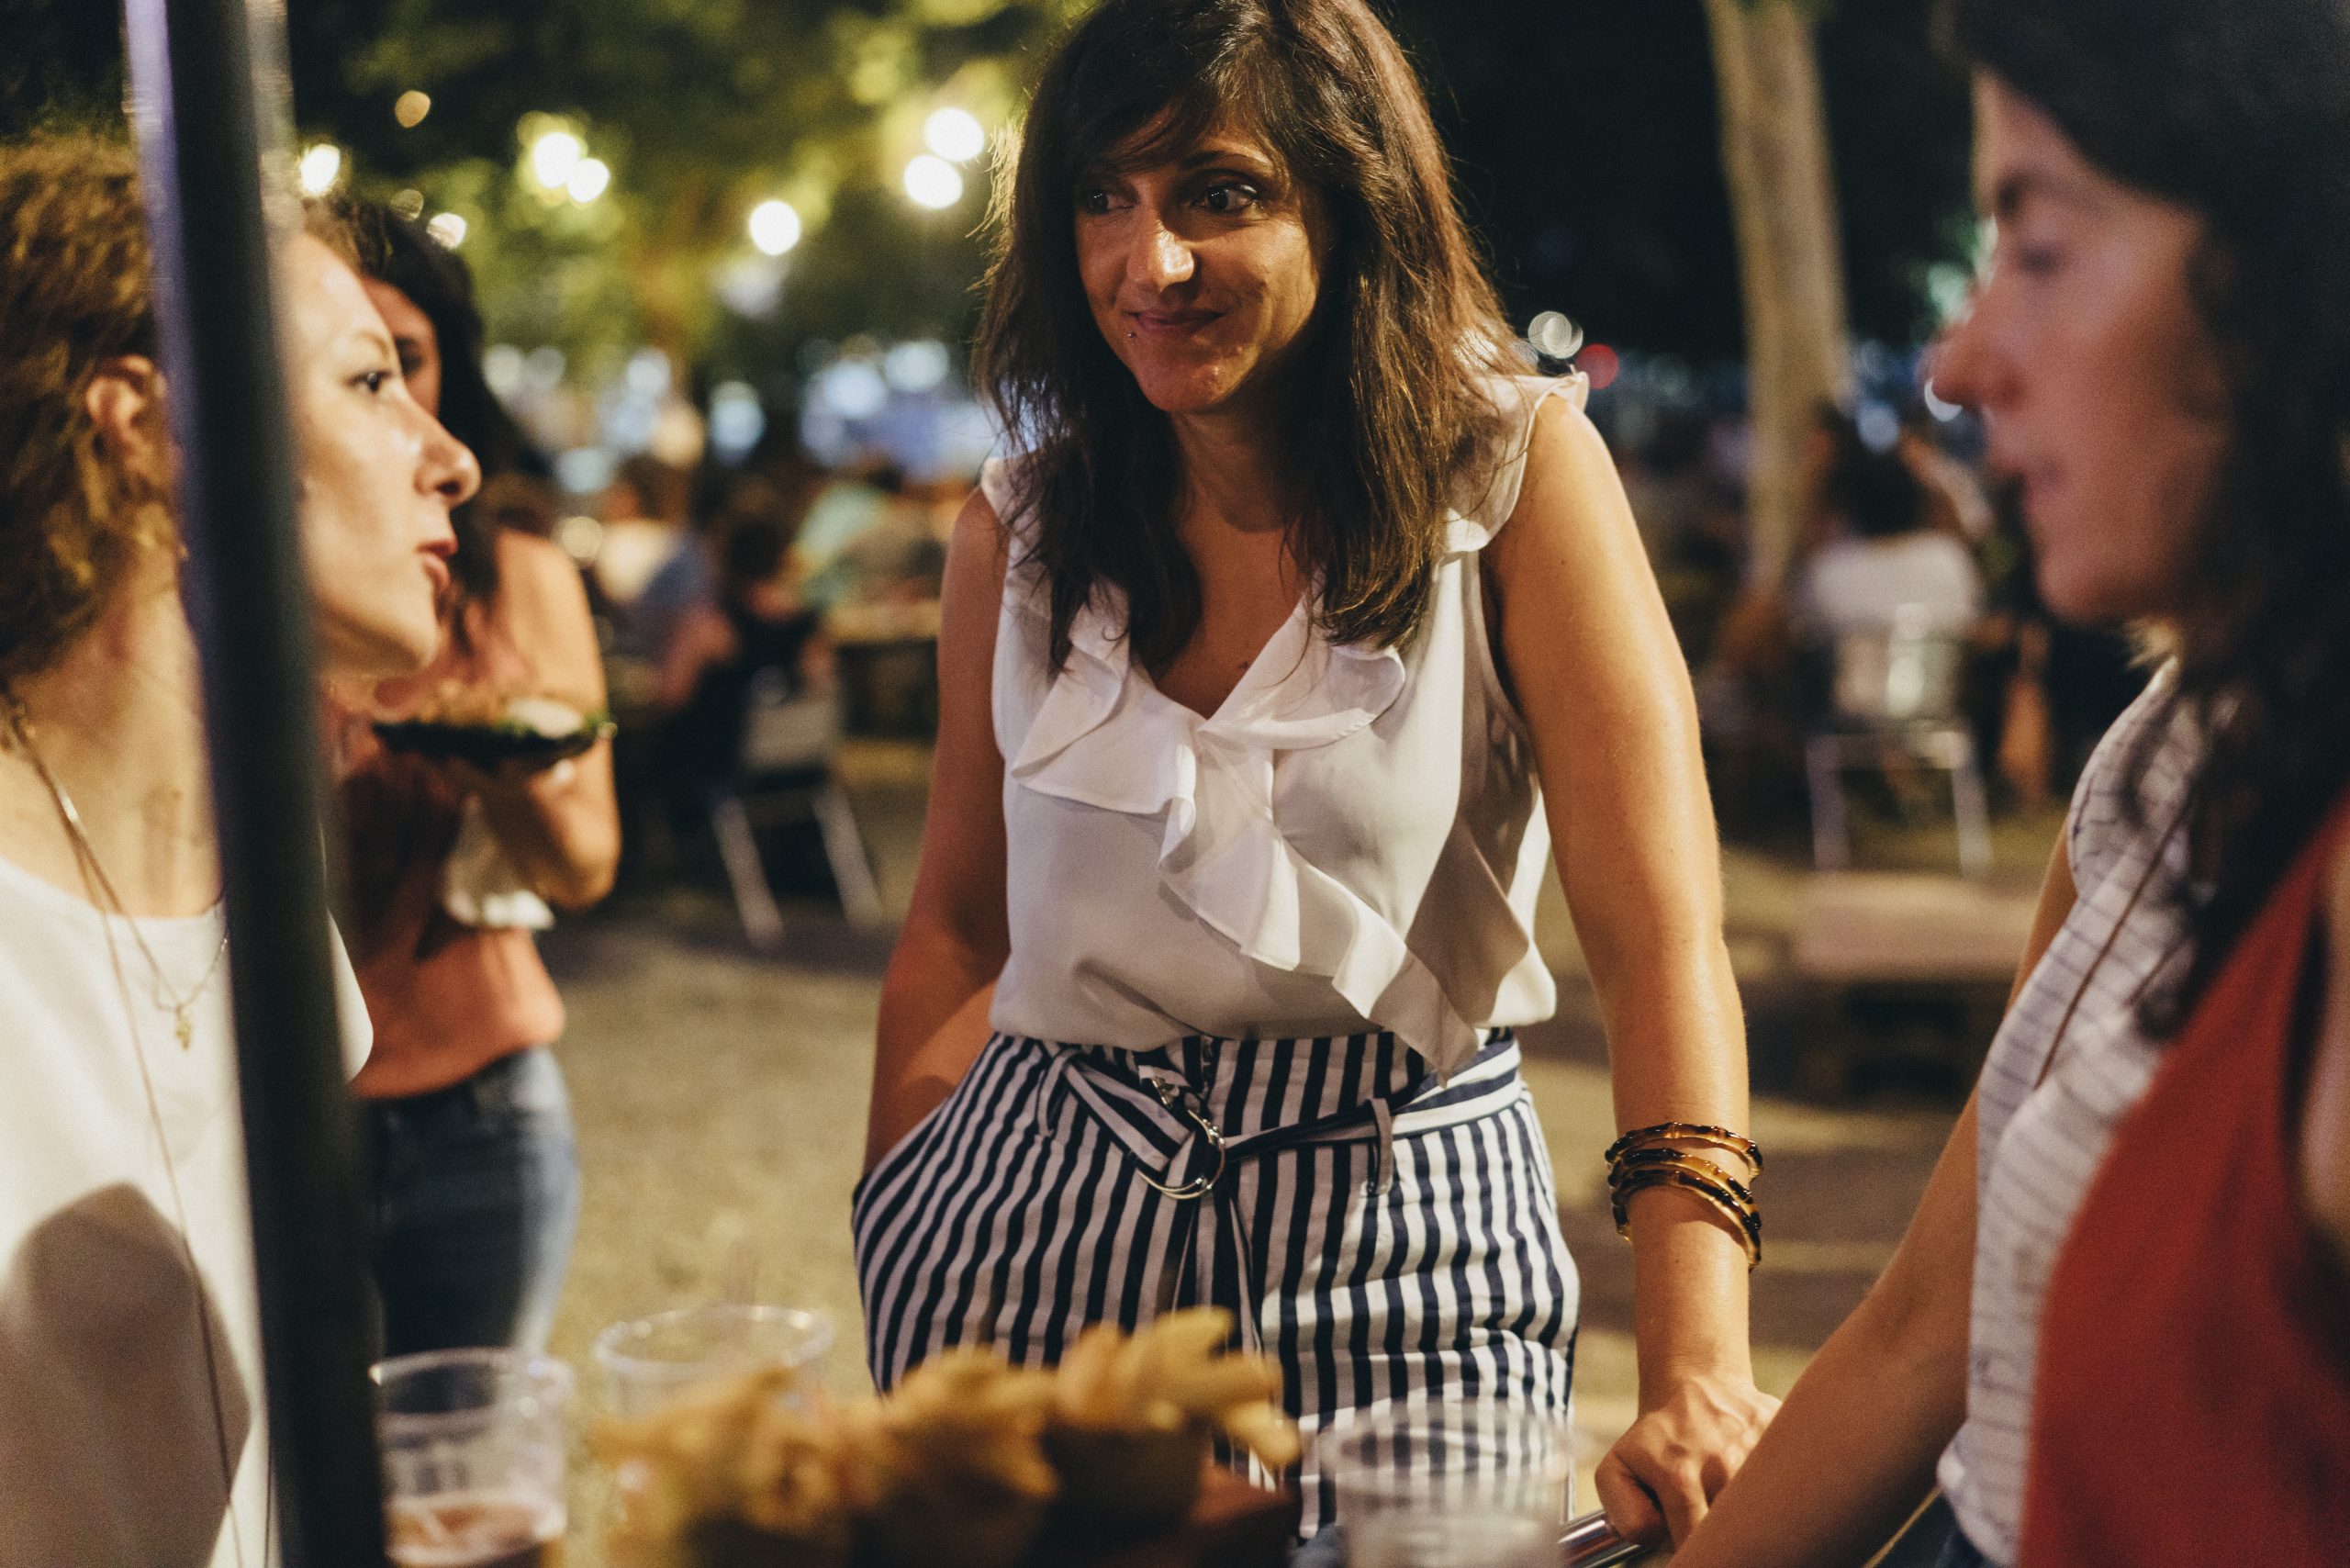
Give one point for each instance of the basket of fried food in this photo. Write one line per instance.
(969, 1463)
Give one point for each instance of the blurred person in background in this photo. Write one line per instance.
(1888, 562)
(848, 506)
(687, 582)
(1256, 674)
(2117, 1330)
(643, 515)
(757, 621)
(130, 1401)
(452, 866)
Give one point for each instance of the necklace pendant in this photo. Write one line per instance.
(184, 1027)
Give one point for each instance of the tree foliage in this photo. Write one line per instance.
(702, 110)
(1585, 131)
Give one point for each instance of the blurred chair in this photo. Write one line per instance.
(787, 773)
(1896, 690)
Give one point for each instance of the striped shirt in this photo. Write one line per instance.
(2041, 1139)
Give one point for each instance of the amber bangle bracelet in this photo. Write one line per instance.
(1747, 1223)
(1691, 1132)
(1628, 1168)
(1695, 1174)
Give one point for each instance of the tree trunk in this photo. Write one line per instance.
(1783, 197)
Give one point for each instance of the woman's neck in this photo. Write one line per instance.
(1230, 474)
(118, 722)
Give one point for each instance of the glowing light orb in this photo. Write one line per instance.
(954, 135)
(553, 156)
(588, 181)
(775, 227)
(933, 182)
(320, 167)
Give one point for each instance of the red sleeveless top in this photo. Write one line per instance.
(2193, 1394)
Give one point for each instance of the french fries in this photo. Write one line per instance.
(1172, 1373)
(958, 1466)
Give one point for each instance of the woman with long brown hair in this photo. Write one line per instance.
(1249, 667)
(452, 868)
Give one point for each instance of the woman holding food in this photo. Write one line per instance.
(131, 1424)
(453, 860)
(1249, 667)
(2116, 1330)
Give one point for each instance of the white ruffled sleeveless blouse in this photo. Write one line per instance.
(1354, 841)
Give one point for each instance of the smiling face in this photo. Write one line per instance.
(1202, 270)
(2095, 375)
(378, 476)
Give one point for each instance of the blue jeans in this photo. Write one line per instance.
(476, 1198)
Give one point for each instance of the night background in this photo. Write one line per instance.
(1584, 132)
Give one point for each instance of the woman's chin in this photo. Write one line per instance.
(391, 649)
(1186, 390)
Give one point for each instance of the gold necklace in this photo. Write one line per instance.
(85, 853)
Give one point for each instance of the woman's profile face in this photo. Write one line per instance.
(414, 340)
(2095, 375)
(1202, 272)
(378, 476)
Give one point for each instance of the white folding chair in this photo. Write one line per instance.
(787, 772)
(1895, 687)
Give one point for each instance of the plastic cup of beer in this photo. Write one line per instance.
(473, 1446)
(649, 1361)
(1457, 1484)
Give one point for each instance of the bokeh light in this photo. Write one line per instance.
(1602, 365)
(411, 108)
(933, 183)
(589, 180)
(553, 156)
(954, 135)
(916, 367)
(736, 419)
(775, 227)
(320, 167)
(1554, 336)
(447, 227)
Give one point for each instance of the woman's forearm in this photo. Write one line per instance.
(934, 1023)
(1852, 1452)
(1679, 1056)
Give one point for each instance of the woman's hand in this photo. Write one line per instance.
(1663, 1475)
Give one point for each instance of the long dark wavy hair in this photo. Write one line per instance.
(2239, 111)
(1389, 416)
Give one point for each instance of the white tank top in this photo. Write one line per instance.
(1353, 841)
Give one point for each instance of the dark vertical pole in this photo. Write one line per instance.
(205, 122)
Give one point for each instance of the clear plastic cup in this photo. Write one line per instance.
(648, 1362)
(473, 1444)
(1455, 1483)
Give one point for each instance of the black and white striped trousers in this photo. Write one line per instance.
(1380, 1236)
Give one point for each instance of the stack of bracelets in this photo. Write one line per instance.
(1659, 1157)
